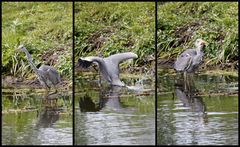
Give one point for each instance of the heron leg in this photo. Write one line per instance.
(55, 89)
(188, 85)
(191, 83)
(47, 88)
(185, 81)
(47, 91)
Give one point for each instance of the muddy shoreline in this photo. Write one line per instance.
(168, 63)
(15, 82)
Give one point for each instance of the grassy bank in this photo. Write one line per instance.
(45, 28)
(181, 23)
(106, 28)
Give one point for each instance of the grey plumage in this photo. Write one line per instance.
(109, 66)
(47, 75)
(190, 59)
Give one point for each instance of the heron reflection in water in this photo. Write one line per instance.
(51, 112)
(108, 97)
(190, 98)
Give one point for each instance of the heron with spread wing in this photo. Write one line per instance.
(109, 66)
(47, 75)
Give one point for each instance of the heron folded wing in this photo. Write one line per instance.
(183, 62)
(53, 76)
(191, 52)
(46, 67)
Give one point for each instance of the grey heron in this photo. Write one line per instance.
(190, 59)
(109, 66)
(47, 75)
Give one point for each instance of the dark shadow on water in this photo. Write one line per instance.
(51, 112)
(198, 109)
(113, 115)
(187, 93)
(39, 119)
(108, 96)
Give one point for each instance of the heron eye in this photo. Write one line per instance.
(182, 55)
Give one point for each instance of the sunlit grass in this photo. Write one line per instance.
(43, 28)
(181, 23)
(107, 28)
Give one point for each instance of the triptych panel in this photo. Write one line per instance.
(119, 73)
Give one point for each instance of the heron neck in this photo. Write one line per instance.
(29, 58)
(199, 49)
(103, 67)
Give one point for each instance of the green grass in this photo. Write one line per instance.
(45, 28)
(106, 28)
(181, 23)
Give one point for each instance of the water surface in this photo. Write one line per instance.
(31, 118)
(203, 112)
(113, 115)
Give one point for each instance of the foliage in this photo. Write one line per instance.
(105, 28)
(181, 23)
(46, 31)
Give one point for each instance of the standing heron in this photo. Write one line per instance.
(47, 75)
(109, 67)
(190, 59)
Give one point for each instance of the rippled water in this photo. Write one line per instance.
(204, 114)
(113, 115)
(32, 120)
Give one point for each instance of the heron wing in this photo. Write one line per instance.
(183, 62)
(197, 61)
(46, 67)
(84, 63)
(87, 61)
(191, 52)
(112, 65)
(52, 73)
(112, 62)
(117, 58)
(53, 76)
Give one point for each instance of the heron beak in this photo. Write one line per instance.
(17, 49)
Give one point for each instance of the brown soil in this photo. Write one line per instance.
(14, 82)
